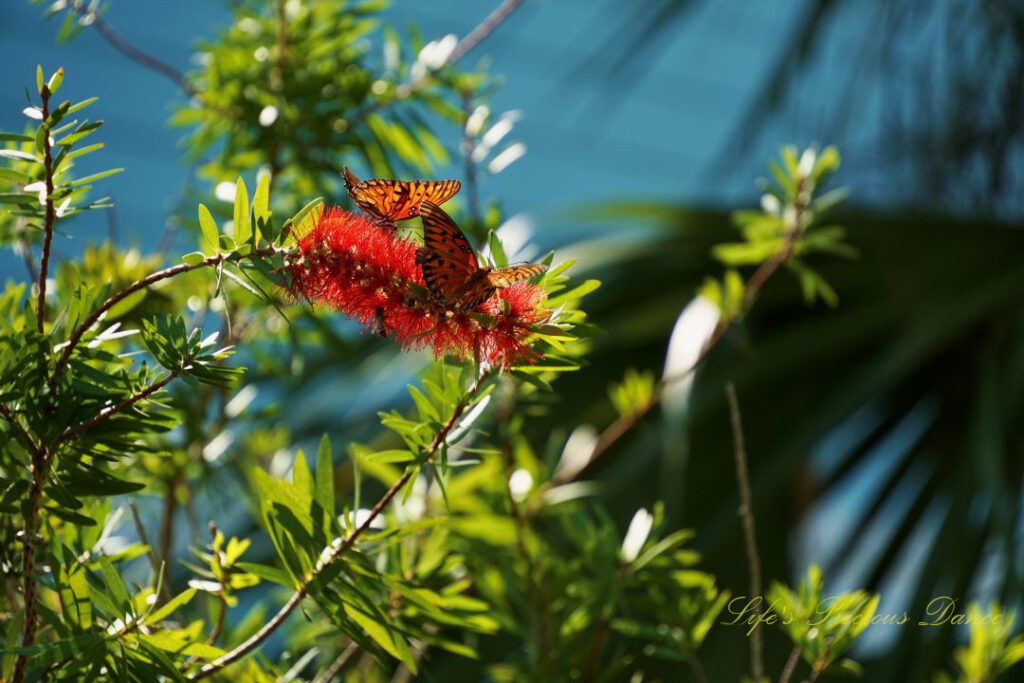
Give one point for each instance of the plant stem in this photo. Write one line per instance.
(303, 589)
(154, 562)
(50, 216)
(468, 145)
(535, 607)
(131, 52)
(749, 534)
(105, 415)
(464, 46)
(787, 671)
(167, 523)
(33, 447)
(625, 423)
(595, 648)
(40, 463)
(152, 278)
(483, 30)
(697, 668)
(338, 664)
(26, 254)
(39, 454)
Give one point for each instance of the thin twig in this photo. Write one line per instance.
(40, 455)
(787, 671)
(296, 598)
(221, 599)
(105, 415)
(468, 146)
(40, 463)
(130, 51)
(697, 668)
(33, 447)
(625, 423)
(144, 537)
(484, 29)
(596, 645)
(464, 47)
(403, 674)
(167, 521)
(153, 278)
(51, 215)
(338, 664)
(521, 526)
(749, 534)
(26, 255)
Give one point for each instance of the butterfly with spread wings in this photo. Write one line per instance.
(450, 267)
(388, 201)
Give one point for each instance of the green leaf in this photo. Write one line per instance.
(272, 574)
(243, 223)
(382, 636)
(746, 253)
(55, 81)
(296, 221)
(497, 249)
(115, 586)
(208, 231)
(324, 493)
(194, 258)
(172, 606)
(94, 177)
(261, 204)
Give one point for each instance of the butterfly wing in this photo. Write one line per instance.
(397, 200)
(506, 277)
(436, 192)
(448, 262)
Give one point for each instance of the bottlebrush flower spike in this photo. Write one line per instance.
(368, 273)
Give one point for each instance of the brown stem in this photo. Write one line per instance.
(468, 43)
(26, 254)
(296, 598)
(51, 215)
(338, 664)
(131, 52)
(33, 448)
(787, 671)
(483, 30)
(105, 415)
(403, 674)
(154, 562)
(625, 423)
(40, 456)
(221, 599)
(697, 668)
(468, 145)
(749, 533)
(167, 526)
(40, 463)
(521, 526)
(152, 278)
(596, 645)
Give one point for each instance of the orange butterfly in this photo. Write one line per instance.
(397, 200)
(450, 267)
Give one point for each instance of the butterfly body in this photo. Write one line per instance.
(451, 271)
(389, 201)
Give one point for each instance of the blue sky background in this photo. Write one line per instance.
(653, 133)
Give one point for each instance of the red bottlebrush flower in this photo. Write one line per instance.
(370, 274)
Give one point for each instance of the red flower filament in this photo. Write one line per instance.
(368, 273)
